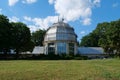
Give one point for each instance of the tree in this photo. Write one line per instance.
(113, 36)
(110, 41)
(101, 30)
(21, 37)
(14, 36)
(95, 38)
(6, 30)
(106, 35)
(90, 40)
(38, 37)
(85, 41)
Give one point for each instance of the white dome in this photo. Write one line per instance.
(60, 31)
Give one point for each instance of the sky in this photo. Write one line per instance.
(82, 15)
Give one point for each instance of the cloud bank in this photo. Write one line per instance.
(14, 19)
(40, 23)
(70, 10)
(0, 10)
(29, 1)
(73, 10)
(13, 2)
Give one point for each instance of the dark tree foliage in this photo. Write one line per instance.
(85, 41)
(90, 40)
(38, 37)
(15, 36)
(6, 30)
(113, 37)
(21, 37)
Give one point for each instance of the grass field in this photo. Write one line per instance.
(108, 69)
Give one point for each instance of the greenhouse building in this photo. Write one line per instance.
(60, 38)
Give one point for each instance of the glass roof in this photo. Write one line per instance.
(60, 31)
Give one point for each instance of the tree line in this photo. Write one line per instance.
(106, 35)
(17, 36)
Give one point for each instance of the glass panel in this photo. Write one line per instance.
(62, 36)
(50, 37)
(61, 48)
(71, 48)
(51, 30)
(51, 48)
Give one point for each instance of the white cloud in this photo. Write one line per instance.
(73, 10)
(86, 21)
(70, 10)
(115, 5)
(51, 1)
(27, 18)
(96, 2)
(14, 19)
(12, 2)
(33, 28)
(0, 10)
(82, 32)
(40, 23)
(29, 1)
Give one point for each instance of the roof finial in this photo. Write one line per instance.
(62, 19)
(58, 18)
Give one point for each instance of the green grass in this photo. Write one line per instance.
(108, 69)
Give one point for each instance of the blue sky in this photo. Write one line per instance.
(83, 15)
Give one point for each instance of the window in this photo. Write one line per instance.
(64, 36)
(51, 48)
(61, 48)
(50, 37)
(71, 48)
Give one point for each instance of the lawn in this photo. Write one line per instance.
(106, 69)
